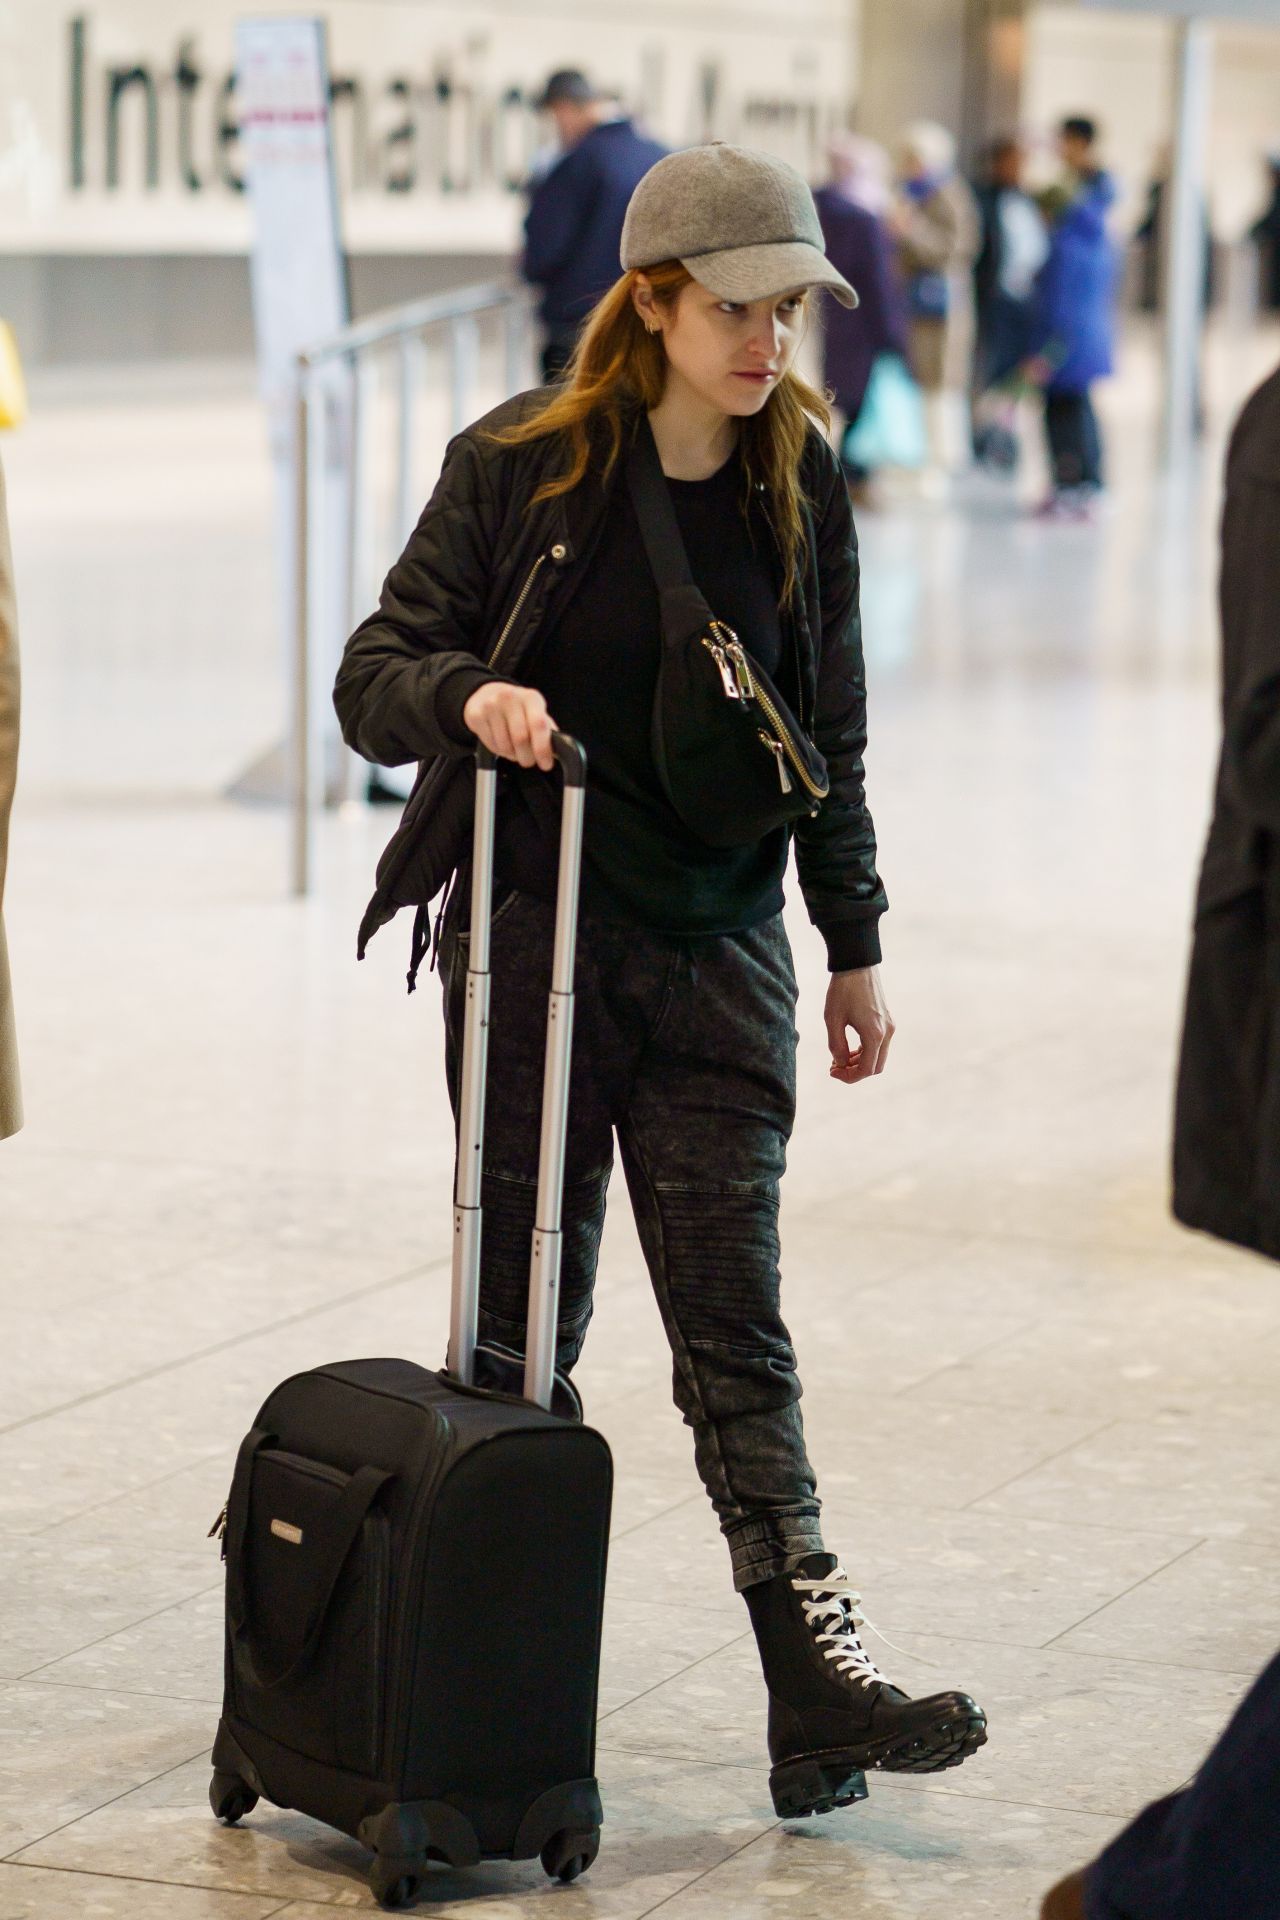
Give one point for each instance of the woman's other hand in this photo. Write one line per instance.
(856, 1001)
(512, 722)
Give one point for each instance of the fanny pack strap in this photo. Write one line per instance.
(659, 528)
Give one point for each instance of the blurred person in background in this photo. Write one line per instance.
(576, 208)
(1150, 242)
(1072, 343)
(10, 1089)
(1211, 1851)
(935, 225)
(852, 209)
(1265, 234)
(1014, 247)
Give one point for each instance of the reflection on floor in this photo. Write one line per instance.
(1045, 1421)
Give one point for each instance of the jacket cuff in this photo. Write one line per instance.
(852, 944)
(451, 697)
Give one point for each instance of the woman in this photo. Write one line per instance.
(935, 221)
(530, 555)
(851, 208)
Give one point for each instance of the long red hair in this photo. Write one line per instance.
(619, 367)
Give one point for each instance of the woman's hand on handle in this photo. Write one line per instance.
(512, 722)
(856, 1001)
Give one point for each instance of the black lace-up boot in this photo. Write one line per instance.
(832, 1713)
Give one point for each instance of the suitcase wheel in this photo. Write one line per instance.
(393, 1882)
(567, 1854)
(230, 1798)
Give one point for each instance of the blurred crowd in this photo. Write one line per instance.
(978, 297)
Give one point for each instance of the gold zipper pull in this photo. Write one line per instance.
(218, 1531)
(775, 748)
(717, 654)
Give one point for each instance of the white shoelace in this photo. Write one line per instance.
(836, 1609)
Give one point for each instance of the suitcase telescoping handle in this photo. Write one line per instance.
(544, 1269)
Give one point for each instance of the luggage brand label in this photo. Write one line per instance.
(283, 1531)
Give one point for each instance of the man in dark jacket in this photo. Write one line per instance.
(1265, 234)
(1015, 245)
(1227, 1141)
(1210, 1851)
(573, 230)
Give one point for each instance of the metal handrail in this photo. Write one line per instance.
(414, 316)
(347, 355)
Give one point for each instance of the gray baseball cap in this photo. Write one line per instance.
(741, 222)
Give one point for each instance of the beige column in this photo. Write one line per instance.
(959, 62)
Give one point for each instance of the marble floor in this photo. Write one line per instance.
(1045, 1420)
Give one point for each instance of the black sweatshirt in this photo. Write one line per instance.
(598, 671)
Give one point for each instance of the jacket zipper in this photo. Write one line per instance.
(516, 611)
(740, 683)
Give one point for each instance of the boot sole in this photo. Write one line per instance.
(949, 1742)
(816, 1783)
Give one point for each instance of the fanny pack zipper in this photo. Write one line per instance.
(730, 656)
(787, 745)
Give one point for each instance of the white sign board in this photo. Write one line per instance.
(299, 283)
(120, 119)
(1261, 12)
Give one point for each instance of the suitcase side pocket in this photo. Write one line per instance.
(308, 1575)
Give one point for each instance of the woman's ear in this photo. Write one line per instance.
(645, 304)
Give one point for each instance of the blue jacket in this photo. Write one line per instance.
(1076, 291)
(573, 232)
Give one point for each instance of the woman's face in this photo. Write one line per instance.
(732, 355)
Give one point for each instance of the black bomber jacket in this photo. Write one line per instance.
(480, 585)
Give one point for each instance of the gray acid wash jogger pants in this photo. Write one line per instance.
(686, 1049)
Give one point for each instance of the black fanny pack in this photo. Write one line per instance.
(732, 758)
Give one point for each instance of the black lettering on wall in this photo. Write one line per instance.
(792, 128)
(227, 138)
(456, 106)
(75, 122)
(400, 143)
(121, 81)
(514, 133)
(400, 135)
(187, 80)
(349, 93)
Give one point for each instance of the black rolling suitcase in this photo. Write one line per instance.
(415, 1563)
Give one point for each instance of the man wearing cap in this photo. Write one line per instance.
(574, 224)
